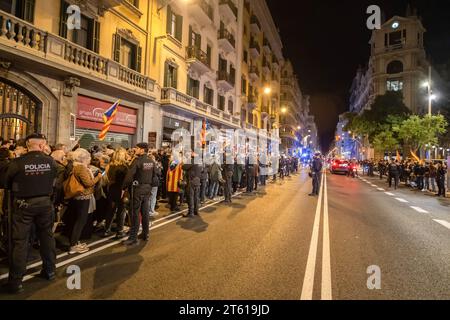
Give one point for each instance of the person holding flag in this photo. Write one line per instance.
(108, 117)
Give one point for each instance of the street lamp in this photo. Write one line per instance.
(283, 110)
(267, 90)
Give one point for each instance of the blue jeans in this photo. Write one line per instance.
(214, 189)
(153, 199)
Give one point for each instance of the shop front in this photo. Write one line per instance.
(90, 122)
(170, 125)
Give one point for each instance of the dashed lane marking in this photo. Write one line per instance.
(401, 200)
(443, 223)
(380, 189)
(390, 194)
(420, 210)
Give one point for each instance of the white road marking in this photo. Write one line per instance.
(418, 209)
(390, 194)
(443, 223)
(308, 281)
(87, 254)
(401, 200)
(380, 189)
(326, 260)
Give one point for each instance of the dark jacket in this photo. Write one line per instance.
(193, 174)
(3, 168)
(141, 170)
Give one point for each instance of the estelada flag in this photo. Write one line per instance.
(108, 118)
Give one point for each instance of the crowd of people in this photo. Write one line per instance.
(106, 190)
(420, 175)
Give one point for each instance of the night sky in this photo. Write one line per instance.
(326, 40)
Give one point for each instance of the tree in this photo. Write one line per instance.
(386, 111)
(418, 131)
(385, 141)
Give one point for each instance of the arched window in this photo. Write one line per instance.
(395, 67)
(20, 112)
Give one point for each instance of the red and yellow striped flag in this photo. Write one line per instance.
(108, 118)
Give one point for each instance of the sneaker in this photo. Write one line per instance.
(154, 214)
(78, 249)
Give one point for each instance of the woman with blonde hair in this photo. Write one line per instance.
(81, 204)
(116, 173)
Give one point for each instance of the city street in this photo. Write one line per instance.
(277, 244)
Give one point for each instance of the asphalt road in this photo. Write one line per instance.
(278, 244)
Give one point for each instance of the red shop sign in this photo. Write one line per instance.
(93, 110)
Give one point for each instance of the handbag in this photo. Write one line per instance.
(72, 187)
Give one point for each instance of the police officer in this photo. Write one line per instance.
(140, 178)
(193, 172)
(228, 170)
(250, 173)
(32, 205)
(440, 178)
(394, 173)
(316, 171)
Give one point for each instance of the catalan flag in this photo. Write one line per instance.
(203, 133)
(108, 118)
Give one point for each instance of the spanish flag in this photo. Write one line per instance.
(108, 118)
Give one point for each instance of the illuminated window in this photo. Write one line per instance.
(394, 85)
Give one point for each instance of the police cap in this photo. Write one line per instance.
(36, 136)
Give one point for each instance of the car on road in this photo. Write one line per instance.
(340, 166)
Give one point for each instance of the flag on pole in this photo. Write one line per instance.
(203, 133)
(108, 118)
(414, 155)
(399, 158)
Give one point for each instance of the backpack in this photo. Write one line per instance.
(72, 187)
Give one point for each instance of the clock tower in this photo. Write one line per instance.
(398, 60)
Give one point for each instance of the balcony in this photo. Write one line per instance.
(252, 102)
(255, 50)
(202, 12)
(174, 100)
(266, 46)
(228, 10)
(254, 74)
(225, 81)
(226, 41)
(275, 63)
(266, 66)
(255, 25)
(32, 47)
(198, 60)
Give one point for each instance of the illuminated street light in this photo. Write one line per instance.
(267, 90)
(283, 110)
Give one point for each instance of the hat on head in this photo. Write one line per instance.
(36, 136)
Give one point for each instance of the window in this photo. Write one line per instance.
(208, 54)
(394, 67)
(223, 64)
(174, 24)
(88, 36)
(208, 96)
(395, 38)
(245, 56)
(170, 76)
(193, 87)
(23, 9)
(244, 86)
(230, 106)
(221, 101)
(127, 53)
(195, 39)
(395, 85)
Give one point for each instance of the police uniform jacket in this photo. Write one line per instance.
(32, 175)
